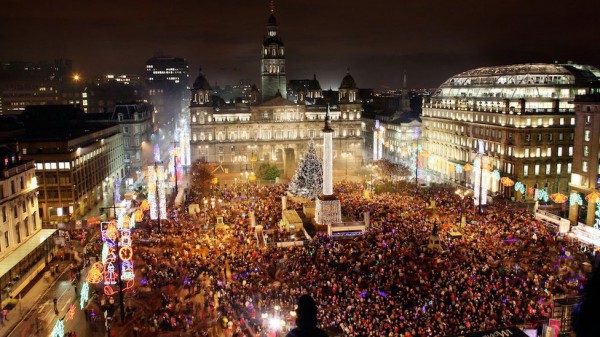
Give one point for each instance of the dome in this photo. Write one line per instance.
(201, 83)
(348, 82)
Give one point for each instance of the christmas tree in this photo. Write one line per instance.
(308, 179)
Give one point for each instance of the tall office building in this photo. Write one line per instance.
(517, 120)
(167, 80)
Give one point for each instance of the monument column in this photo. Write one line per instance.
(328, 208)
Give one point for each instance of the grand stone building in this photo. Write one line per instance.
(585, 177)
(518, 119)
(272, 129)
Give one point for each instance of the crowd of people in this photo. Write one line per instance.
(505, 269)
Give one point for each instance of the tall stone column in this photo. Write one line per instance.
(328, 208)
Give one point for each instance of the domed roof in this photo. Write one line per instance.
(201, 83)
(348, 82)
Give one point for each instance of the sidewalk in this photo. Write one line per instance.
(30, 297)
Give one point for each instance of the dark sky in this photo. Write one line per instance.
(376, 39)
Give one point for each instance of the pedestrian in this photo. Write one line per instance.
(5, 314)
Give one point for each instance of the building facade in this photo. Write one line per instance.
(586, 171)
(167, 80)
(273, 129)
(517, 120)
(24, 245)
(77, 163)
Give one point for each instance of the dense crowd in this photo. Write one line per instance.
(505, 269)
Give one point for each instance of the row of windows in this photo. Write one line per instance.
(548, 169)
(268, 135)
(17, 231)
(502, 120)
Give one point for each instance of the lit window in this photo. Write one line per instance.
(525, 170)
(587, 135)
(584, 166)
(586, 151)
(537, 169)
(549, 152)
(558, 168)
(572, 120)
(570, 150)
(548, 168)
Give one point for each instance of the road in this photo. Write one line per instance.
(41, 319)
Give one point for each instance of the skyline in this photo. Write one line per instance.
(377, 41)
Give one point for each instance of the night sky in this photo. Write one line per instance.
(430, 39)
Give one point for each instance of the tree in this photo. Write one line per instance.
(267, 171)
(202, 176)
(308, 179)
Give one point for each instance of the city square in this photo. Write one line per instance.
(393, 169)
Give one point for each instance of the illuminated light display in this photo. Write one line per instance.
(71, 312)
(459, 168)
(125, 253)
(84, 295)
(105, 252)
(152, 192)
(506, 181)
(127, 270)
(480, 177)
(132, 220)
(110, 275)
(496, 174)
(117, 198)
(520, 187)
(58, 330)
(575, 198)
(95, 275)
(162, 190)
(543, 195)
(156, 153)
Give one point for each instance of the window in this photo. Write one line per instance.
(586, 150)
(569, 165)
(560, 136)
(549, 152)
(526, 153)
(549, 136)
(548, 168)
(539, 137)
(12, 187)
(562, 121)
(587, 135)
(537, 169)
(588, 120)
(527, 137)
(572, 120)
(559, 151)
(528, 122)
(6, 242)
(525, 170)
(4, 214)
(558, 168)
(18, 232)
(22, 183)
(570, 151)
(15, 211)
(584, 166)
(538, 152)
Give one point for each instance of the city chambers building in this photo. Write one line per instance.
(518, 120)
(271, 128)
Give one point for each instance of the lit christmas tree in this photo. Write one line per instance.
(308, 179)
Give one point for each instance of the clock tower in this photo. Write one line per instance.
(273, 79)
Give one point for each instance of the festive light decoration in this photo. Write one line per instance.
(559, 198)
(110, 275)
(575, 198)
(593, 197)
(520, 187)
(162, 188)
(71, 312)
(468, 167)
(496, 174)
(59, 329)
(542, 194)
(459, 168)
(138, 215)
(156, 153)
(95, 275)
(105, 252)
(127, 270)
(308, 179)
(125, 253)
(506, 181)
(152, 188)
(480, 177)
(117, 192)
(84, 295)
(144, 206)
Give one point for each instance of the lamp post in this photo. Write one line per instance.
(480, 183)
(175, 152)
